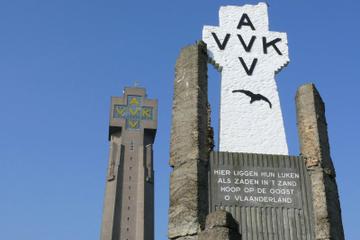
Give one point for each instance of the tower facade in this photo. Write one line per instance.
(129, 196)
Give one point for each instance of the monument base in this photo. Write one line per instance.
(268, 195)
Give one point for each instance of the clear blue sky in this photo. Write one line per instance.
(61, 60)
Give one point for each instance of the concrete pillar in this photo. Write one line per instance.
(189, 145)
(220, 225)
(314, 144)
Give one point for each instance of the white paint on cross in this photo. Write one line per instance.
(248, 55)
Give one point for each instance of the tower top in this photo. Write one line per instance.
(133, 111)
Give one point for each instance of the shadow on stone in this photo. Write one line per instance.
(220, 225)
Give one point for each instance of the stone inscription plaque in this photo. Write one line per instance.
(255, 186)
(257, 180)
(268, 195)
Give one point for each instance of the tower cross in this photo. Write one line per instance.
(248, 56)
(133, 112)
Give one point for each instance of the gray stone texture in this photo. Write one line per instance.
(189, 112)
(314, 144)
(189, 145)
(220, 225)
(211, 141)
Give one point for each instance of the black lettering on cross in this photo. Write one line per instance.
(246, 43)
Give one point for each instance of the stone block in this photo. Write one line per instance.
(220, 225)
(188, 201)
(220, 218)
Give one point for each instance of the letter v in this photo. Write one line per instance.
(252, 67)
(223, 44)
(249, 45)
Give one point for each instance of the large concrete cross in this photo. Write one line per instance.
(248, 56)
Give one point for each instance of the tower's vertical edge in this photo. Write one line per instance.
(129, 195)
(189, 145)
(112, 201)
(315, 148)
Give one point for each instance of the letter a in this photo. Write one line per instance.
(134, 101)
(245, 20)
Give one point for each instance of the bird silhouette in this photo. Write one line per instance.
(254, 97)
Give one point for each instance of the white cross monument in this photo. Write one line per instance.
(248, 55)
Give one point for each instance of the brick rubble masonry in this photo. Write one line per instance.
(189, 145)
(314, 144)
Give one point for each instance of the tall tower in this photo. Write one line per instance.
(129, 196)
